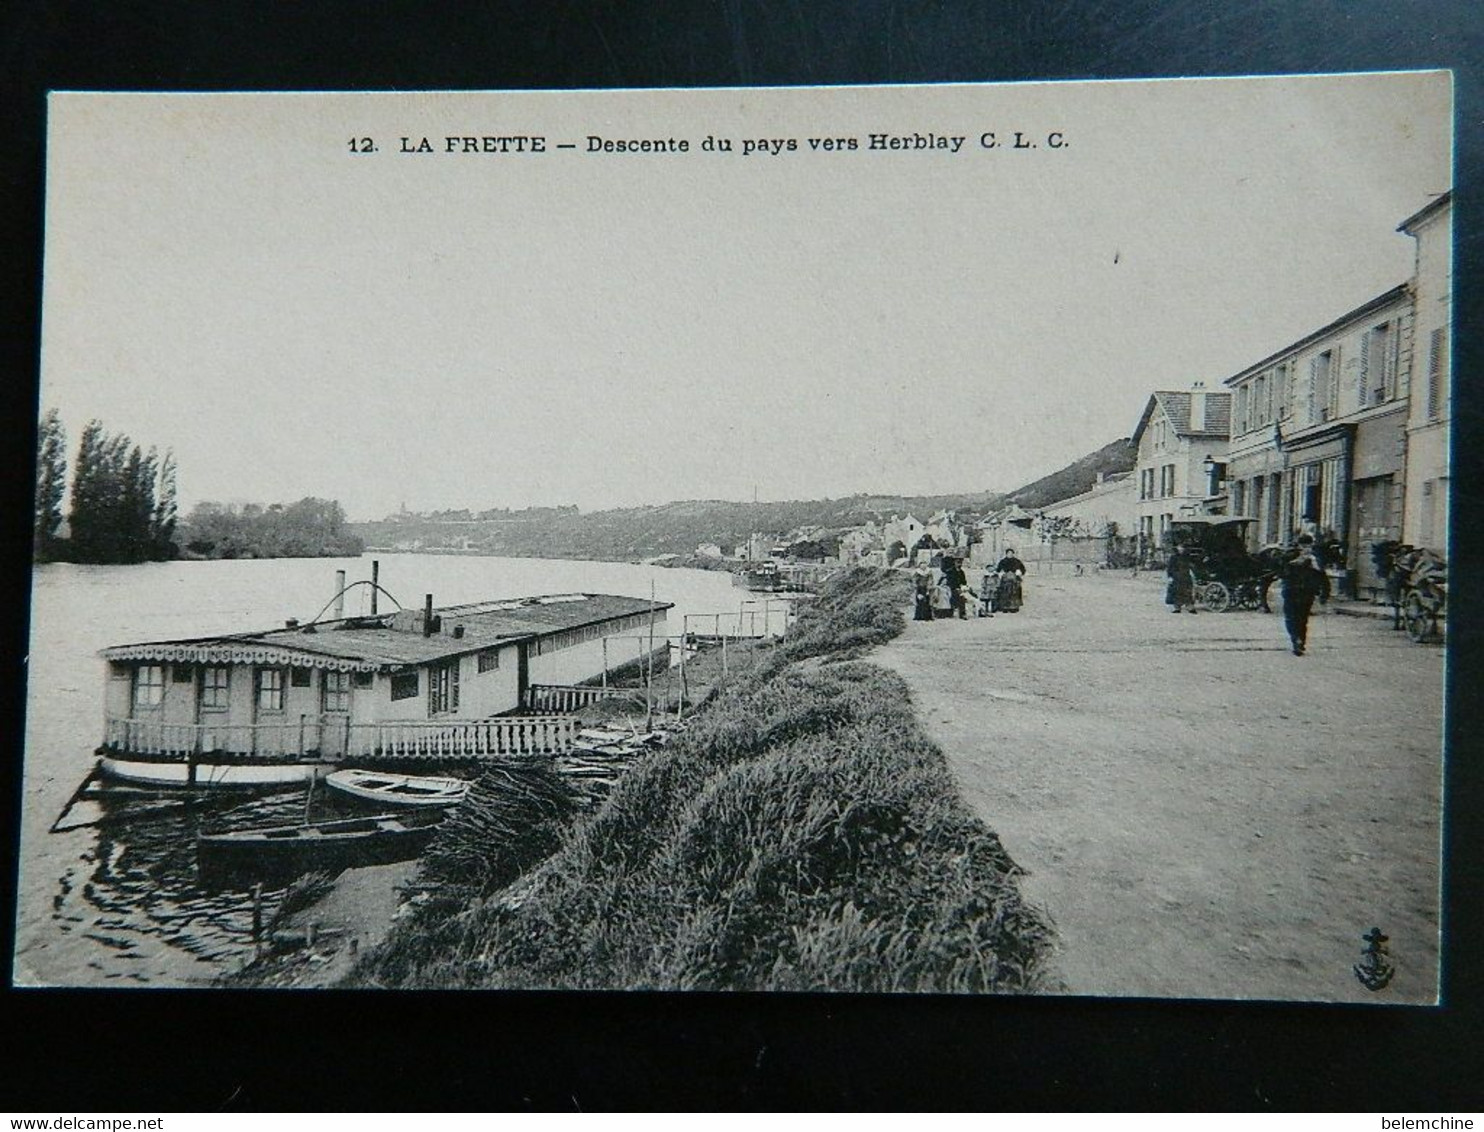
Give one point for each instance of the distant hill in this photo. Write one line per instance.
(646, 532)
(1076, 477)
(628, 533)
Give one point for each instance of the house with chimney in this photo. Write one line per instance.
(1181, 440)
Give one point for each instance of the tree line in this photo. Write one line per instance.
(122, 509)
(310, 528)
(122, 505)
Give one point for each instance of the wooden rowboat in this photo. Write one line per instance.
(399, 789)
(183, 775)
(344, 843)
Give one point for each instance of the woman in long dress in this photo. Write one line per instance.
(1008, 594)
(1182, 591)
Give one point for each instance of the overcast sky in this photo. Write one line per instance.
(224, 278)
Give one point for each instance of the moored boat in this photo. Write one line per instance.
(181, 774)
(398, 789)
(342, 843)
(452, 685)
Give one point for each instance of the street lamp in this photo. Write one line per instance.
(1215, 472)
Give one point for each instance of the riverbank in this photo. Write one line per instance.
(802, 834)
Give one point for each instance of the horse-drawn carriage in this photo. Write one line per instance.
(1227, 574)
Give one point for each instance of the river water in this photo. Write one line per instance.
(117, 903)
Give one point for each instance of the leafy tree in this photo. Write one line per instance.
(115, 515)
(89, 504)
(162, 522)
(310, 527)
(51, 482)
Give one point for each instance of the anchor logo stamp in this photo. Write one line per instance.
(1375, 968)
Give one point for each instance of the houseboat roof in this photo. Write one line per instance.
(396, 640)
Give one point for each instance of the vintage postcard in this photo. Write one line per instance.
(971, 539)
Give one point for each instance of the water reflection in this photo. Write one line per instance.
(140, 887)
(116, 897)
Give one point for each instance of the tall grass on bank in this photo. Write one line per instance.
(804, 834)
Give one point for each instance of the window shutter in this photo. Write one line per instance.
(453, 680)
(1365, 367)
(1435, 364)
(1332, 397)
(1392, 343)
(1314, 388)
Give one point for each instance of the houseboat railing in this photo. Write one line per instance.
(505, 735)
(299, 736)
(335, 739)
(551, 698)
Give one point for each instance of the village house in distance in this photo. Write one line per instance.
(1343, 433)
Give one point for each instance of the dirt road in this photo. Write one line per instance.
(1201, 813)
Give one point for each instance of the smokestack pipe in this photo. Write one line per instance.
(375, 574)
(427, 615)
(339, 594)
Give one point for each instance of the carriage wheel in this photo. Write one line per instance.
(1216, 597)
(1249, 595)
(1418, 619)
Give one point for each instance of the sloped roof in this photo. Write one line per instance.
(1425, 213)
(370, 644)
(1176, 407)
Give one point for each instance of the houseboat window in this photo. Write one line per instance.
(361, 679)
(182, 673)
(299, 677)
(404, 685)
(489, 660)
(270, 689)
(443, 687)
(337, 691)
(149, 685)
(214, 684)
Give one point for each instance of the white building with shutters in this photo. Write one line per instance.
(1319, 434)
(1425, 514)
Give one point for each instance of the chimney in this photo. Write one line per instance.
(339, 595)
(375, 581)
(427, 615)
(1198, 407)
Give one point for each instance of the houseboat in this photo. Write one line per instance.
(432, 685)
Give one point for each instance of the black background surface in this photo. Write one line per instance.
(79, 1052)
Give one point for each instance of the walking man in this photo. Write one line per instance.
(1304, 579)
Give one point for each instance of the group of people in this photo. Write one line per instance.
(1301, 573)
(947, 595)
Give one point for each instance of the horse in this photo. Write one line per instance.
(1393, 561)
(1267, 565)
